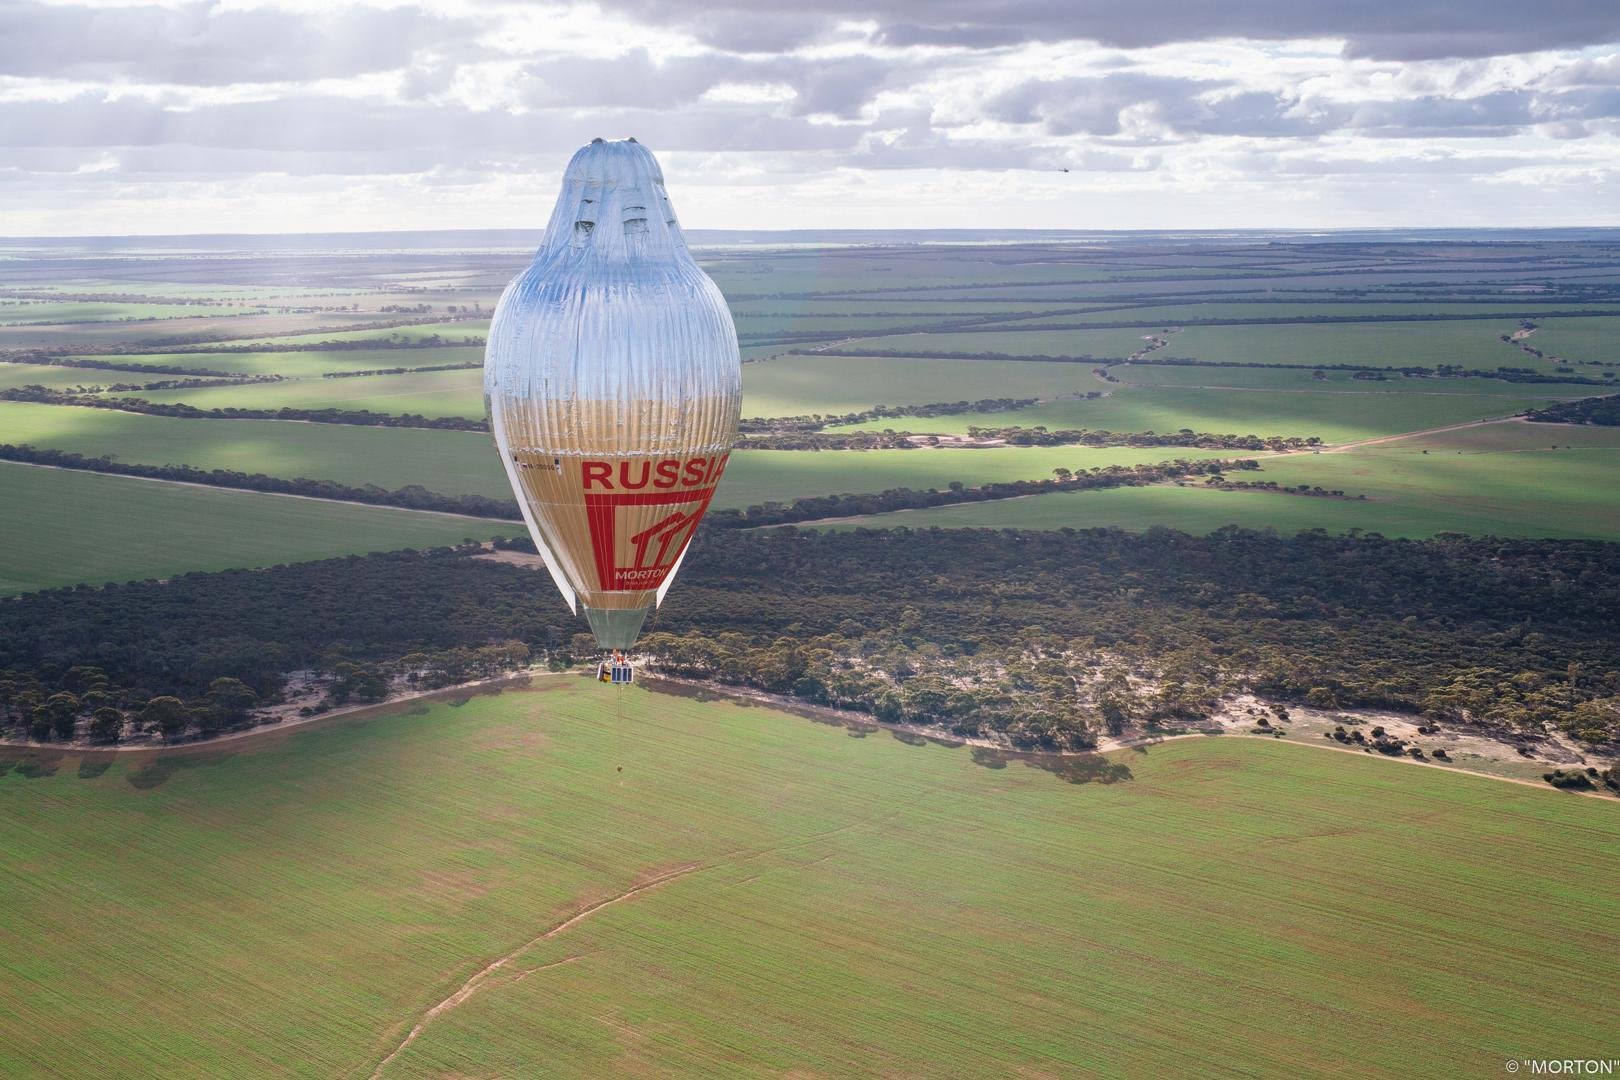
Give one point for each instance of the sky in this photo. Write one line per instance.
(318, 115)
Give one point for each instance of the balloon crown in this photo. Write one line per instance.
(613, 206)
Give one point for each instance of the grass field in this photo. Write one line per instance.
(450, 331)
(458, 392)
(58, 377)
(1579, 339)
(452, 462)
(834, 906)
(1335, 414)
(1098, 343)
(786, 386)
(200, 324)
(465, 463)
(1228, 308)
(1501, 479)
(1470, 343)
(757, 476)
(800, 385)
(312, 364)
(72, 311)
(67, 528)
(1295, 379)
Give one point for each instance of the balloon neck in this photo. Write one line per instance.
(615, 628)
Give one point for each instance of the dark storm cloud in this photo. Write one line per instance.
(201, 44)
(1391, 29)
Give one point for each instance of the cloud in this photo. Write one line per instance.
(204, 44)
(1389, 29)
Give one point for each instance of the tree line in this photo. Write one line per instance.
(411, 497)
(1602, 411)
(819, 507)
(1043, 638)
(364, 417)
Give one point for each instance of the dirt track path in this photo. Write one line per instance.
(1339, 448)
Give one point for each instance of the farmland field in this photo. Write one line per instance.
(63, 528)
(793, 304)
(1469, 343)
(1500, 479)
(302, 364)
(1012, 342)
(295, 903)
(427, 393)
(465, 463)
(1579, 339)
(1334, 415)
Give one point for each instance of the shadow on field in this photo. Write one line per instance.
(93, 765)
(35, 765)
(1070, 768)
(155, 771)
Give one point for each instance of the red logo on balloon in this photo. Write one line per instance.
(637, 536)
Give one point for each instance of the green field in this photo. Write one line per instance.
(465, 463)
(458, 392)
(758, 476)
(806, 384)
(1503, 479)
(311, 364)
(67, 528)
(60, 378)
(202, 324)
(1470, 344)
(1339, 414)
(1578, 339)
(1098, 343)
(1231, 308)
(786, 386)
(450, 331)
(72, 311)
(1295, 379)
(450, 462)
(830, 906)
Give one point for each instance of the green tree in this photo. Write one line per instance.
(168, 714)
(106, 725)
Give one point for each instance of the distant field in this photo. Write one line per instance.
(871, 907)
(1579, 339)
(1471, 344)
(1172, 314)
(73, 311)
(1501, 479)
(59, 378)
(64, 528)
(1098, 343)
(799, 385)
(451, 462)
(1294, 379)
(477, 329)
(757, 476)
(1336, 415)
(302, 365)
(785, 386)
(457, 462)
(427, 393)
(162, 331)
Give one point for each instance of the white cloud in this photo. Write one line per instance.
(305, 114)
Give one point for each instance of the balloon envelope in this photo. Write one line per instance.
(613, 384)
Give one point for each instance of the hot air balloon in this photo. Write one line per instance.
(613, 385)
